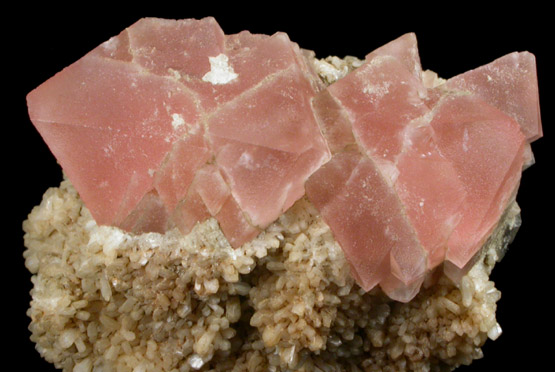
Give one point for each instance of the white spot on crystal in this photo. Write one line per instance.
(330, 72)
(177, 121)
(232, 254)
(465, 140)
(220, 72)
(108, 150)
(212, 285)
(48, 303)
(67, 338)
(90, 225)
(175, 74)
(110, 238)
(495, 332)
(389, 171)
(246, 161)
(194, 129)
(421, 204)
(113, 238)
(111, 45)
(105, 290)
(390, 233)
(151, 172)
(198, 286)
(379, 90)
(195, 361)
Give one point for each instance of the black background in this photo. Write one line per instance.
(452, 38)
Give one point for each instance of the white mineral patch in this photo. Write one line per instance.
(220, 71)
(90, 225)
(495, 332)
(389, 171)
(110, 238)
(246, 160)
(379, 90)
(175, 74)
(333, 68)
(465, 140)
(48, 303)
(431, 79)
(195, 361)
(330, 72)
(177, 121)
(111, 45)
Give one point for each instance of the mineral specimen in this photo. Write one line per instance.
(250, 207)
(171, 123)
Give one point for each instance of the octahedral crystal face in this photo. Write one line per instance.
(173, 122)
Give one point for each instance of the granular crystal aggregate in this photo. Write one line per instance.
(107, 300)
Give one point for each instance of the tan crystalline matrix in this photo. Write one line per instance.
(106, 300)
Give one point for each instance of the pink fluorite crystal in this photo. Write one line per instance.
(509, 83)
(429, 171)
(134, 122)
(173, 122)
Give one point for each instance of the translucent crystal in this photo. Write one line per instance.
(419, 174)
(134, 121)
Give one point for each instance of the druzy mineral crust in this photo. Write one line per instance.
(172, 123)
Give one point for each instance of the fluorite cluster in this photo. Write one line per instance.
(172, 122)
(429, 169)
